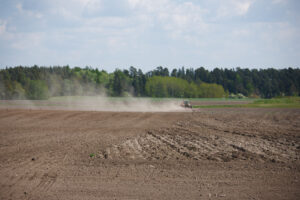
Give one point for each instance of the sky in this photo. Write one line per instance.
(110, 34)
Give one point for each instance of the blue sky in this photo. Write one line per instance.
(111, 34)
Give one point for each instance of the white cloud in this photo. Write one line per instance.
(242, 7)
(116, 43)
(150, 5)
(4, 33)
(27, 41)
(133, 3)
(2, 26)
(279, 1)
(94, 6)
(19, 7)
(180, 20)
(241, 32)
(233, 8)
(30, 13)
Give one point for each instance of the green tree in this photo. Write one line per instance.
(37, 90)
(155, 87)
(121, 83)
(207, 90)
(18, 91)
(158, 86)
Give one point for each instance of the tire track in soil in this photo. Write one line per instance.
(201, 142)
(259, 145)
(34, 171)
(46, 182)
(265, 147)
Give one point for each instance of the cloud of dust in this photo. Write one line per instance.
(128, 104)
(90, 97)
(97, 103)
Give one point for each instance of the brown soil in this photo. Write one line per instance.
(232, 153)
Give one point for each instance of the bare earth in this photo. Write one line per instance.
(231, 153)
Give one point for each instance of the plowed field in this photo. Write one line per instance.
(228, 153)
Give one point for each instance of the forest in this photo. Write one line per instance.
(44, 82)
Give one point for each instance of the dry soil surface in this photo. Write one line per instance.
(231, 153)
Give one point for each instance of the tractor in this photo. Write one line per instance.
(186, 104)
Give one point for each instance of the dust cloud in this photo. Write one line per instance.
(97, 103)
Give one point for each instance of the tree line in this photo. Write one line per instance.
(43, 82)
